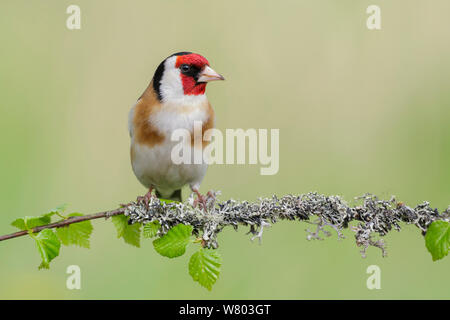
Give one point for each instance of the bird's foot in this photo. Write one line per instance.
(146, 198)
(211, 194)
(200, 200)
(206, 201)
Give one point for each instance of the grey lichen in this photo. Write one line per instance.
(373, 217)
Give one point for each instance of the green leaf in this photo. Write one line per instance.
(131, 234)
(151, 229)
(173, 243)
(437, 239)
(58, 210)
(75, 234)
(168, 201)
(27, 223)
(204, 267)
(48, 246)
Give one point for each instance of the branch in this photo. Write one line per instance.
(105, 214)
(374, 217)
(175, 224)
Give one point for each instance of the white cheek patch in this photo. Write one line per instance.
(171, 87)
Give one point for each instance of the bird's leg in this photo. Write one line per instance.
(211, 195)
(146, 198)
(200, 198)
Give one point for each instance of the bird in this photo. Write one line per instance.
(174, 99)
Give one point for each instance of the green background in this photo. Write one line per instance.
(358, 111)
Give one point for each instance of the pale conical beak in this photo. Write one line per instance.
(208, 74)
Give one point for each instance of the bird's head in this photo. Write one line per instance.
(183, 74)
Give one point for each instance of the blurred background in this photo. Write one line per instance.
(358, 111)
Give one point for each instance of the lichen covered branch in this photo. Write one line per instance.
(373, 217)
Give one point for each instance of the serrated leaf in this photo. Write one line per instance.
(75, 234)
(48, 246)
(131, 234)
(27, 223)
(204, 267)
(59, 209)
(437, 239)
(151, 229)
(173, 243)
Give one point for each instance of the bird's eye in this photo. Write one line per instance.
(185, 68)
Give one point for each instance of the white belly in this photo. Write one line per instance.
(154, 167)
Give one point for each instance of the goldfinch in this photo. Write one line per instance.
(174, 99)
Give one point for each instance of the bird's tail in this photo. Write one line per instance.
(176, 195)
